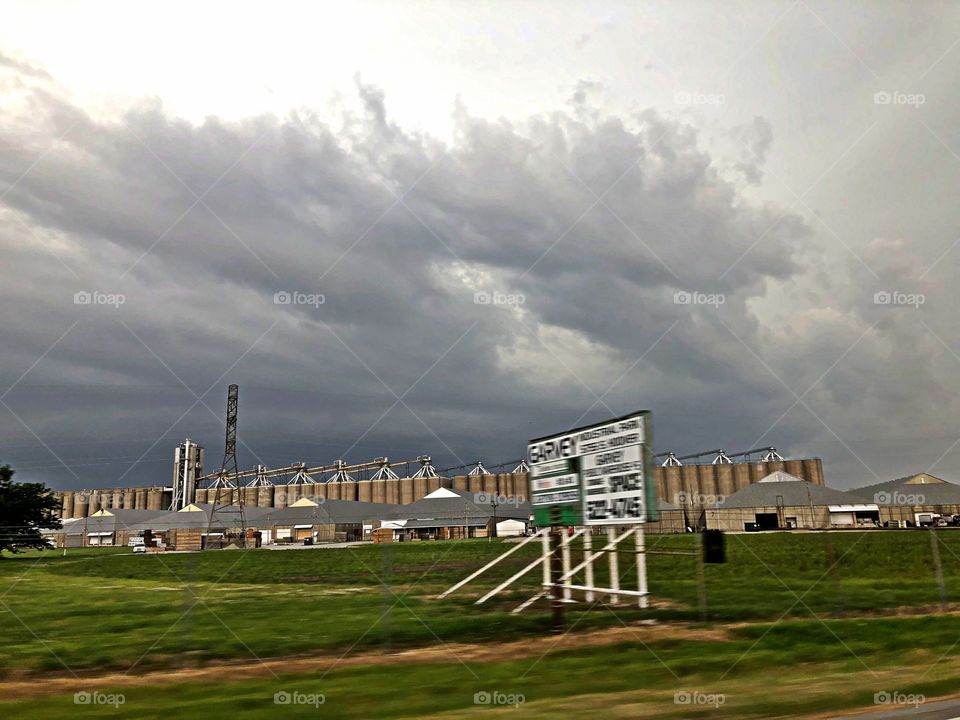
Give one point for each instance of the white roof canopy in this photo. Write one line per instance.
(441, 493)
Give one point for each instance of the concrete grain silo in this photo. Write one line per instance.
(813, 471)
(66, 506)
(391, 491)
(521, 485)
(795, 468)
(265, 496)
(504, 483)
(406, 491)
(741, 475)
(419, 488)
(689, 483)
(488, 484)
(708, 481)
(348, 490)
(365, 490)
(775, 465)
(726, 484)
(673, 484)
(293, 494)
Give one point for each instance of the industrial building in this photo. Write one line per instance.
(778, 501)
(321, 520)
(752, 490)
(452, 514)
(715, 473)
(104, 527)
(913, 499)
(782, 501)
(444, 514)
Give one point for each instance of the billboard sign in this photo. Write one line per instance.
(600, 474)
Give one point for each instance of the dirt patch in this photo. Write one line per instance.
(28, 687)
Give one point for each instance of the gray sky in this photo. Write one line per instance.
(741, 216)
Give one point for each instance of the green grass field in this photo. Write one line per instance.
(834, 614)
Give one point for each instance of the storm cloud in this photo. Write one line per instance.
(378, 291)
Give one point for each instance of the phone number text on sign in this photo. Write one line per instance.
(614, 486)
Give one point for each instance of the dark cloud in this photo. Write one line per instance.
(590, 228)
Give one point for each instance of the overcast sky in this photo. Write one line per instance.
(492, 221)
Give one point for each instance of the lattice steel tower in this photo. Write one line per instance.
(227, 481)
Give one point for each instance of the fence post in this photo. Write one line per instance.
(588, 551)
(938, 568)
(641, 551)
(614, 565)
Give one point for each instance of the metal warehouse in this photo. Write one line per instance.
(781, 501)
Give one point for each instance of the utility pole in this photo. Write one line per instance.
(493, 532)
